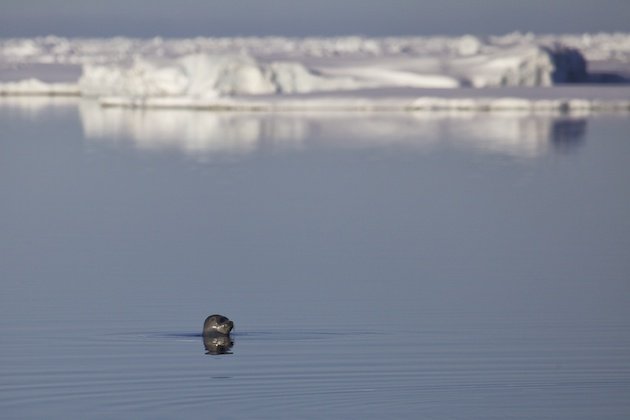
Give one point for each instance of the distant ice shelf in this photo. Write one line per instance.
(420, 73)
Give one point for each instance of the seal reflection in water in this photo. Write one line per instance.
(216, 334)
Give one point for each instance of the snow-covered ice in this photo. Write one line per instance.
(513, 71)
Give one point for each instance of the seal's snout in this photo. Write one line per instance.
(229, 325)
(225, 328)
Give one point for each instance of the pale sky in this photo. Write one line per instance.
(185, 18)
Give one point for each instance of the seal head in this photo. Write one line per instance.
(217, 324)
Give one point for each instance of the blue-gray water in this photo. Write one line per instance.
(376, 265)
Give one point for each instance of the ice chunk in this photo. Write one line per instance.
(524, 66)
(204, 76)
(468, 45)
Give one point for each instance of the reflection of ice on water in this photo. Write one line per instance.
(200, 133)
(191, 132)
(32, 106)
(203, 134)
(522, 136)
(567, 134)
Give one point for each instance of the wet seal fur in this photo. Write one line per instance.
(217, 324)
(216, 334)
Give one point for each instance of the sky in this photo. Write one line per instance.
(187, 18)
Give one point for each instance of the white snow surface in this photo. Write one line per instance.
(346, 72)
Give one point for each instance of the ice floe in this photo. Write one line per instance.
(311, 73)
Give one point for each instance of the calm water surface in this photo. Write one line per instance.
(376, 265)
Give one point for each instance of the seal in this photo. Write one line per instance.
(217, 324)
